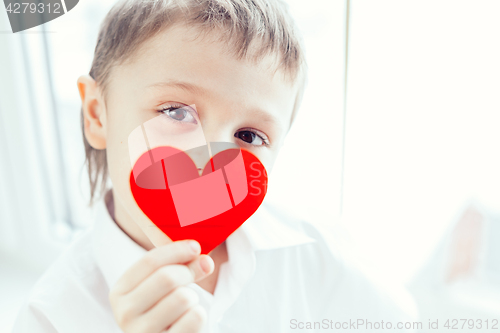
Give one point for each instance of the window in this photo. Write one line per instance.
(422, 126)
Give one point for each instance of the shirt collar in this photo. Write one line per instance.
(267, 229)
(271, 228)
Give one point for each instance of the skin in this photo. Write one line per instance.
(234, 96)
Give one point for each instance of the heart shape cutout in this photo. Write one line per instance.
(184, 205)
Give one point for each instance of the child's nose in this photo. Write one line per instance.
(201, 155)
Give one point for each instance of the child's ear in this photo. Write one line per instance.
(94, 112)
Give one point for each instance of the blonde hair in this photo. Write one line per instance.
(238, 23)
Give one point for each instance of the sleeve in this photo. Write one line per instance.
(31, 319)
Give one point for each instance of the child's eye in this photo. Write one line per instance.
(251, 137)
(179, 113)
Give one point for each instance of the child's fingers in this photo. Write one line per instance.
(192, 321)
(174, 253)
(164, 280)
(169, 309)
(158, 285)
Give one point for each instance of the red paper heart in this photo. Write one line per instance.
(155, 199)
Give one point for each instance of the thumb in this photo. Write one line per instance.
(201, 267)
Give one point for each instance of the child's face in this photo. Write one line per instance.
(231, 97)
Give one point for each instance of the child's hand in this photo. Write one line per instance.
(151, 296)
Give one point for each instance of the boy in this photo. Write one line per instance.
(242, 65)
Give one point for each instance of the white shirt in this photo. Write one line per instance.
(281, 276)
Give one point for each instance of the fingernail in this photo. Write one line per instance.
(206, 264)
(195, 246)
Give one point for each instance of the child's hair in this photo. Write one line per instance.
(237, 22)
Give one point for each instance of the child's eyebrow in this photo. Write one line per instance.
(180, 84)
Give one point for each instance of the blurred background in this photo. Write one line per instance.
(397, 144)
